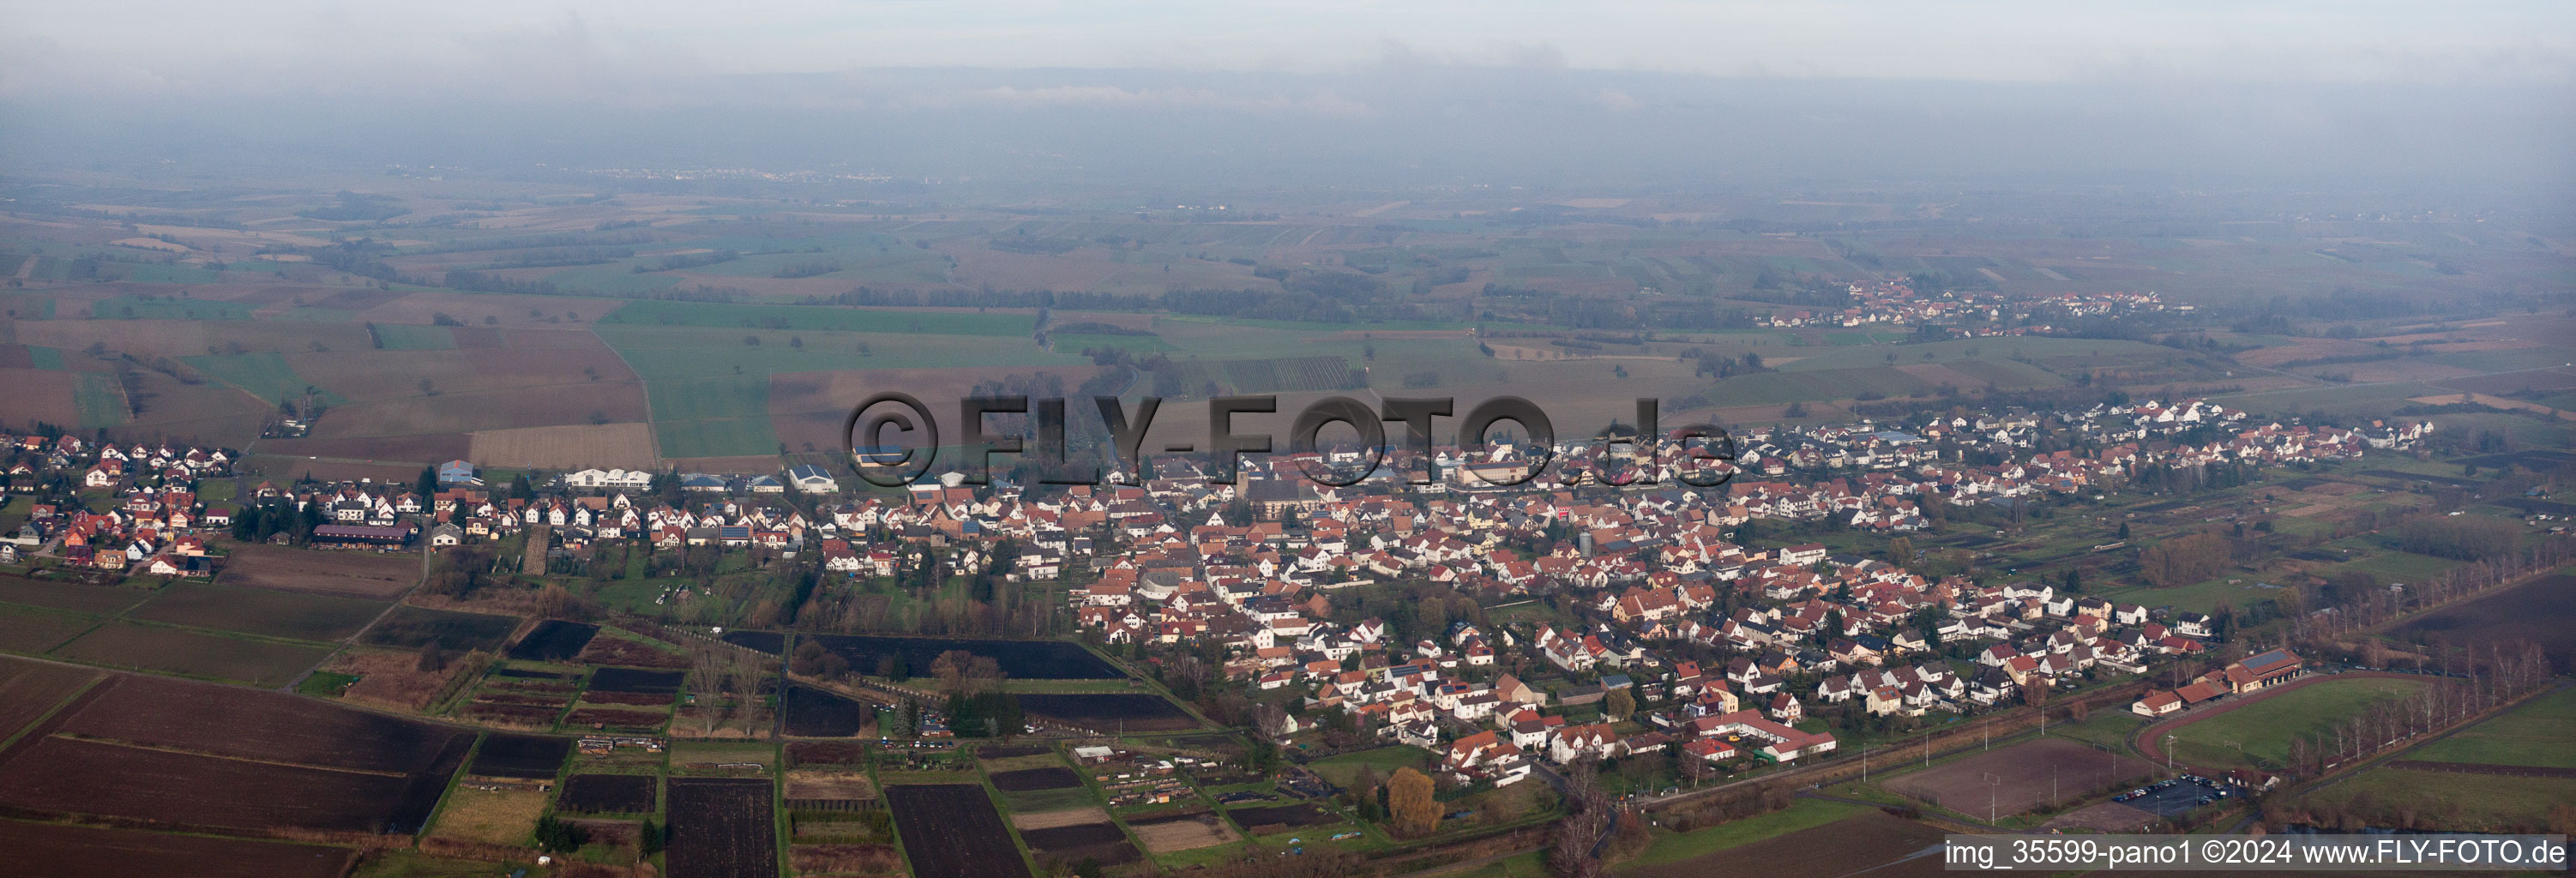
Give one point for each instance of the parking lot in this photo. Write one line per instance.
(2176, 796)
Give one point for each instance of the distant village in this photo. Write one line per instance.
(1252, 564)
(1895, 303)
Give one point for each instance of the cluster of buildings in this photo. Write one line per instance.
(2255, 672)
(1896, 303)
(153, 524)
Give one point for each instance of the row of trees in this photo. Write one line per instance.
(2501, 674)
(2360, 608)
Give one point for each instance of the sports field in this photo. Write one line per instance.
(2258, 733)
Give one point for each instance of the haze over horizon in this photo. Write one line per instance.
(2296, 95)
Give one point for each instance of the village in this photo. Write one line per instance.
(1647, 567)
(1964, 313)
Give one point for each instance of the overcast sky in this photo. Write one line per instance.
(190, 47)
(2307, 93)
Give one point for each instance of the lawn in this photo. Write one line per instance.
(1672, 847)
(1341, 769)
(2266, 727)
(2541, 733)
(2105, 726)
(2199, 597)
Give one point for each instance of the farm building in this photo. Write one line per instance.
(609, 479)
(811, 479)
(361, 536)
(457, 472)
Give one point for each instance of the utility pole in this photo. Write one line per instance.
(2169, 754)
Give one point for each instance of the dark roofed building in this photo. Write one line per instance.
(361, 535)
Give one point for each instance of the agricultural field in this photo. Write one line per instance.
(29, 690)
(35, 631)
(2537, 611)
(952, 831)
(722, 828)
(1130, 711)
(2257, 732)
(609, 794)
(2396, 797)
(1170, 834)
(409, 627)
(2537, 734)
(501, 817)
(814, 713)
(122, 644)
(553, 640)
(194, 754)
(69, 595)
(570, 447)
(295, 615)
(60, 849)
(1019, 659)
(375, 575)
(1845, 842)
(522, 757)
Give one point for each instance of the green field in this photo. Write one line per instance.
(698, 399)
(76, 596)
(1034, 801)
(35, 631)
(2199, 597)
(265, 374)
(2541, 733)
(1672, 847)
(100, 403)
(2393, 566)
(2450, 800)
(722, 437)
(2266, 726)
(414, 337)
(1143, 344)
(822, 318)
(659, 352)
(1774, 388)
